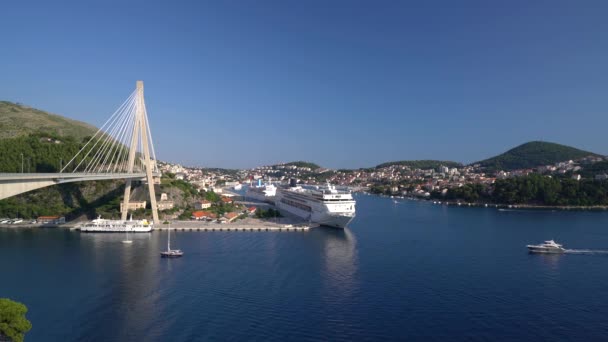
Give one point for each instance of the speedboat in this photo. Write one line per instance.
(549, 246)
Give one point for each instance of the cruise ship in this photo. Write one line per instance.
(261, 192)
(116, 226)
(326, 206)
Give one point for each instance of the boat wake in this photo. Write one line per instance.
(586, 251)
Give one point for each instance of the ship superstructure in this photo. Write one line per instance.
(116, 226)
(326, 205)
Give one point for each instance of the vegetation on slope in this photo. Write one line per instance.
(310, 165)
(421, 164)
(18, 120)
(534, 189)
(533, 154)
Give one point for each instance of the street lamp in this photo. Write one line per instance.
(21, 162)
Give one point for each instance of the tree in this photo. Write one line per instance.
(13, 323)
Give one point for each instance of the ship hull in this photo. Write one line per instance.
(335, 220)
(115, 230)
(544, 250)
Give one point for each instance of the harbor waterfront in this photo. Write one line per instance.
(403, 270)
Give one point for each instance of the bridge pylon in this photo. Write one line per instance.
(141, 136)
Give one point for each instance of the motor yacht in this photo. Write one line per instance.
(549, 246)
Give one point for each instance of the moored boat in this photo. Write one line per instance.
(171, 253)
(116, 226)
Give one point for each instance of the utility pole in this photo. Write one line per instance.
(21, 162)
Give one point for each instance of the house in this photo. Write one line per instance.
(164, 205)
(231, 216)
(134, 205)
(251, 210)
(203, 215)
(50, 219)
(576, 177)
(227, 200)
(204, 204)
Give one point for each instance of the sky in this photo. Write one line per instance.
(344, 84)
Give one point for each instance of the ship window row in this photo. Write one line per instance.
(296, 204)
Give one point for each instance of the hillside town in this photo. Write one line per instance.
(402, 180)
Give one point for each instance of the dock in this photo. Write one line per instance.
(228, 228)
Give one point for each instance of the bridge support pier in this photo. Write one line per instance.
(140, 135)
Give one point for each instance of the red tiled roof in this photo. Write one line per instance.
(231, 215)
(202, 213)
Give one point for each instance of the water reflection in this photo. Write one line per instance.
(340, 267)
(127, 285)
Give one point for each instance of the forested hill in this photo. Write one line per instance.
(533, 154)
(19, 120)
(310, 165)
(421, 164)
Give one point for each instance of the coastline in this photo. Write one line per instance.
(502, 205)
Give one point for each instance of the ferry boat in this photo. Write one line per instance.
(238, 187)
(116, 226)
(549, 246)
(326, 206)
(265, 193)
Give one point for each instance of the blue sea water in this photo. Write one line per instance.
(402, 271)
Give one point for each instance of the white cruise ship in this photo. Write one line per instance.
(326, 206)
(261, 192)
(116, 226)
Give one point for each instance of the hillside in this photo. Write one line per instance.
(533, 154)
(310, 165)
(421, 164)
(18, 120)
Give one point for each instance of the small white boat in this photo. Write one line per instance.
(549, 246)
(170, 253)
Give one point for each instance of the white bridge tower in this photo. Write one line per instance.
(141, 136)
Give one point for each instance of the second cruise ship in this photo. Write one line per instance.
(326, 206)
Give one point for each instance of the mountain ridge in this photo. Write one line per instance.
(533, 154)
(17, 120)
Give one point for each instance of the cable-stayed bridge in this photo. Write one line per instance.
(122, 148)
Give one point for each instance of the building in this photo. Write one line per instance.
(134, 205)
(204, 204)
(165, 205)
(203, 215)
(231, 216)
(227, 200)
(251, 210)
(50, 219)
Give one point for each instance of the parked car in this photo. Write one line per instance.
(15, 221)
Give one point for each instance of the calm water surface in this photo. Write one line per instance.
(403, 271)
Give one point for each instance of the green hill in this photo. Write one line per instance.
(421, 164)
(312, 166)
(18, 120)
(533, 154)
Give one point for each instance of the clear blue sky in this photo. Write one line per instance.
(339, 83)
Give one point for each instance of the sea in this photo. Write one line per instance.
(403, 271)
